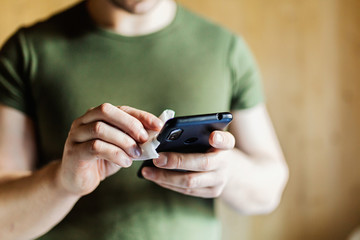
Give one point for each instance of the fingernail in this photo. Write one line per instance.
(148, 173)
(136, 152)
(144, 134)
(161, 161)
(218, 139)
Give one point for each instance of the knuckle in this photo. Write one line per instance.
(124, 108)
(97, 129)
(117, 154)
(127, 142)
(205, 163)
(135, 126)
(191, 181)
(149, 118)
(177, 161)
(159, 176)
(105, 108)
(70, 134)
(75, 123)
(96, 146)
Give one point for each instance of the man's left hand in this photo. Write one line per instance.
(206, 173)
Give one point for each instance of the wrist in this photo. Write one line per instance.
(236, 166)
(58, 181)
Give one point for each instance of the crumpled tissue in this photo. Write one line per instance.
(148, 148)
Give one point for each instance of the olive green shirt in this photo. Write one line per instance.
(57, 69)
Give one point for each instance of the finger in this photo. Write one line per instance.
(190, 161)
(106, 168)
(222, 140)
(210, 192)
(102, 131)
(183, 179)
(97, 149)
(116, 117)
(147, 119)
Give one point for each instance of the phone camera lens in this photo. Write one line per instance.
(191, 140)
(174, 134)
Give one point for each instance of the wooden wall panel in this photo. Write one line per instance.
(309, 53)
(349, 113)
(15, 13)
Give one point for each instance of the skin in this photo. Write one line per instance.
(99, 144)
(135, 6)
(139, 18)
(245, 168)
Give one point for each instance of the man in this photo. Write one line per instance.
(70, 175)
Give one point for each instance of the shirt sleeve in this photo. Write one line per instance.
(247, 88)
(14, 74)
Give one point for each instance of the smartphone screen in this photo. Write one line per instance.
(189, 134)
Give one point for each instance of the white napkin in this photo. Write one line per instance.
(148, 148)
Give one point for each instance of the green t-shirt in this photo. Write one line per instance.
(57, 69)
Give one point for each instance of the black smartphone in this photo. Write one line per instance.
(189, 134)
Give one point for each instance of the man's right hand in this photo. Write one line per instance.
(100, 142)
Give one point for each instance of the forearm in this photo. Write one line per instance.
(256, 184)
(31, 205)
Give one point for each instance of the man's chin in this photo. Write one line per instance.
(135, 6)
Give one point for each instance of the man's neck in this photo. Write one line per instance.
(108, 16)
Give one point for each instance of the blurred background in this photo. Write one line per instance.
(309, 54)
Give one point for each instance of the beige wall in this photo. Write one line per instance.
(309, 53)
(14, 13)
